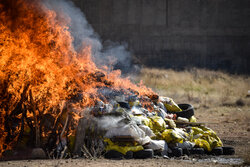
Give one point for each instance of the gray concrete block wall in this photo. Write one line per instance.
(212, 34)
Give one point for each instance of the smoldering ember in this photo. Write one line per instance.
(61, 97)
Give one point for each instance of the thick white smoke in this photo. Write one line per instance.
(84, 35)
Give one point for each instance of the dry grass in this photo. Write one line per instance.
(197, 86)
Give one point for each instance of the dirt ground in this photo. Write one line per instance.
(226, 110)
(105, 162)
(232, 125)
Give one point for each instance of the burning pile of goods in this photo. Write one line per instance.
(130, 129)
(54, 97)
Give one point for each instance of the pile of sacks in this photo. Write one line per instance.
(146, 127)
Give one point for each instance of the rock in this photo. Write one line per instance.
(38, 153)
(240, 102)
(248, 93)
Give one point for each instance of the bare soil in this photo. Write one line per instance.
(231, 124)
(105, 162)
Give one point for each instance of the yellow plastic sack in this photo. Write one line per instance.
(192, 119)
(197, 130)
(202, 144)
(212, 137)
(134, 103)
(203, 136)
(170, 104)
(170, 122)
(121, 149)
(171, 136)
(158, 124)
(145, 120)
(119, 109)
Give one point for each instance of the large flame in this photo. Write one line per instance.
(40, 69)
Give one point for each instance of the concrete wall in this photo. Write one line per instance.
(212, 34)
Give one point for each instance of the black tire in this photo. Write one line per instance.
(160, 153)
(187, 111)
(186, 151)
(124, 105)
(217, 151)
(199, 151)
(143, 154)
(157, 152)
(112, 154)
(228, 151)
(176, 152)
(129, 155)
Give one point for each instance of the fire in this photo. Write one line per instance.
(41, 73)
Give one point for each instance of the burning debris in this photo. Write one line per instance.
(56, 98)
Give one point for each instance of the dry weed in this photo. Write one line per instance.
(198, 86)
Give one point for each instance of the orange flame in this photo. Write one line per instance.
(40, 69)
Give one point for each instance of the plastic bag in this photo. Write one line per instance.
(144, 120)
(158, 124)
(161, 113)
(162, 106)
(126, 130)
(157, 145)
(205, 137)
(169, 104)
(144, 140)
(203, 144)
(186, 145)
(122, 149)
(192, 119)
(181, 119)
(170, 122)
(147, 130)
(172, 136)
(137, 120)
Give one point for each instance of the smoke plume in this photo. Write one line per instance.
(113, 54)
